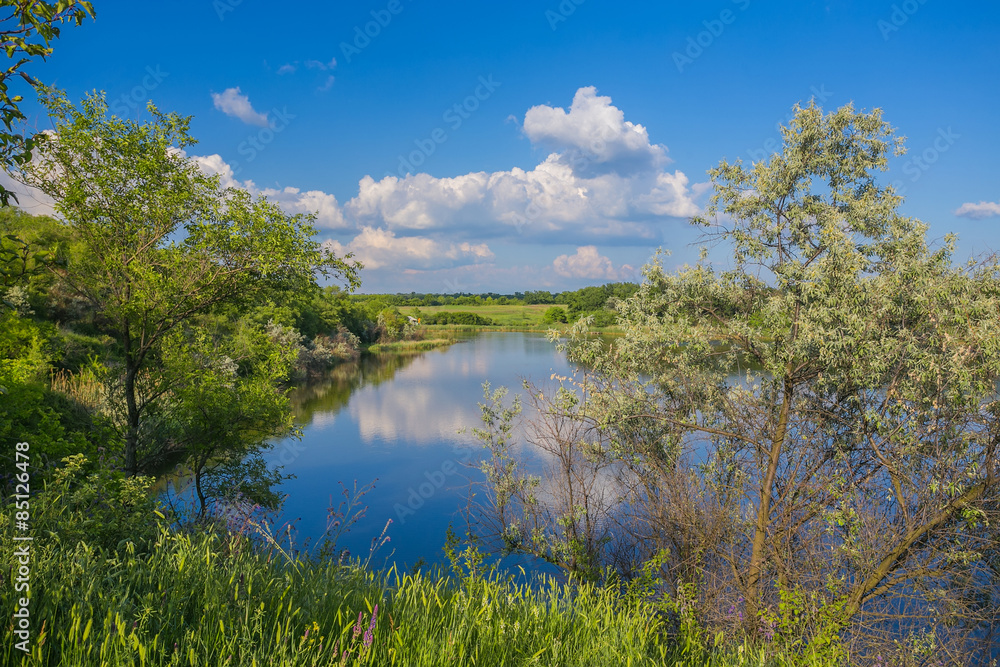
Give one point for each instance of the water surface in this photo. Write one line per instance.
(397, 419)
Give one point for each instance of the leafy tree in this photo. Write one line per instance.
(27, 28)
(539, 296)
(225, 405)
(555, 314)
(29, 246)
(164, 245)
(586, 300)
(460, 318)
(810, 437)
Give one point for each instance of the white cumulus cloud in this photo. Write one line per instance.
(589, 263)
(233, 102)
(381, 248)
(984, 209)
(614, 188)
(329, 214)
(593, 137)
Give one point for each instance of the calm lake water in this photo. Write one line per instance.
(398, 419)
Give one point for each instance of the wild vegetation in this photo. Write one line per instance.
(790, 462)
(118, 585)
(806, 444)
(521, 310)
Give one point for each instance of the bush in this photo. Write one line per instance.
(325, 352)
(605, 318)
(555, 315)
(94, 504)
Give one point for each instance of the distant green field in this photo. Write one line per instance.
(504, 316)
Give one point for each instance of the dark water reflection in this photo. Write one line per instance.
(397, 419)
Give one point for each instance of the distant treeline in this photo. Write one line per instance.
(586, 300)
(469, 319)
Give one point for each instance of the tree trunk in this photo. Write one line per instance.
(764, 509)
(202, 502)
(132, 408)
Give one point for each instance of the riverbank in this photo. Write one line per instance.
(409, 346)
(527, 316)
(214, 597)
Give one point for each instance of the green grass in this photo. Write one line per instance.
(204, 599)
(188, 602)
(403, 346)
(112, 584)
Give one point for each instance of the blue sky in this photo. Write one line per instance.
(583, 128)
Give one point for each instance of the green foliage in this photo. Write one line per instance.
(27, 30)
(461, 318)
(24, 348)
(555, 315)
(163, 246)
(224, 407)
(214, 599)
(391, 325)
(539, 296)
(29, 246)
(29, 411)
(526, 510)
(91, 504)
(810, 433)
(596, 299)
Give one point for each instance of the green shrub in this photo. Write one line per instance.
(555, 315)
(85, 502)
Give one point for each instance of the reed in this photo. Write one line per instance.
(83, 387)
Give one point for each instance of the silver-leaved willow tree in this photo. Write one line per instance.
(803, 438)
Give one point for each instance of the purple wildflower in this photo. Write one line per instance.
(370, 632)
(357, 626)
